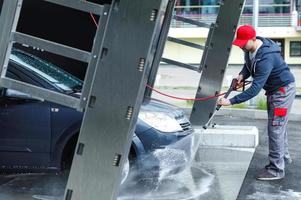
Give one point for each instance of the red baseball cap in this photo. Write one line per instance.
(243, 35)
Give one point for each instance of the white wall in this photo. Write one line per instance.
(198, 35)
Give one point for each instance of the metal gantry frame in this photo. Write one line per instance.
(190, 44)
(216, 60)
(164, 37)
(162, 41)
(160, 46)
(113, 90)
(125, 56)
(9, 20)
(115, 99)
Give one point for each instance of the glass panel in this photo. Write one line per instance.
(274, 2)
(274, 6)
(249, 2)
(275, 13)
(193, 7)
(295, 48)
(269, 6)
(248, 9)
(209, 6)
(49, 72)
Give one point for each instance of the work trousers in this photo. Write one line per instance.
(279, 106)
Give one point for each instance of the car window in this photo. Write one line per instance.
(12, 76)
(2, 92)
(52, 74)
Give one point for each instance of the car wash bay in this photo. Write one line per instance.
(217, 173)
(214, 169)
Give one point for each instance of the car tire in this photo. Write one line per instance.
(147, 173)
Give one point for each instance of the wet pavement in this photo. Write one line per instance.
(288, 188)
(215, 174)
(26, 186)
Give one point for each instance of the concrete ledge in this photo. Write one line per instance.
(248, 113)
(253, 114)
(229, 136)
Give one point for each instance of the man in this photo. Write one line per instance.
(264, 63)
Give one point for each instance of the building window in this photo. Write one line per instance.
(269, 7)
(295, 48)
(280, 43)
(197, 7)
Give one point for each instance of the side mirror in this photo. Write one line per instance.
(2, 91)
(20, 95)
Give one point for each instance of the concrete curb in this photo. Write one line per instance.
(253, 114)
(229, 136)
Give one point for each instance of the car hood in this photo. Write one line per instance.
(155, 105)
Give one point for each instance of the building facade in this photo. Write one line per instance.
(279, 20)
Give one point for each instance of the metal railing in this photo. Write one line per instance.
(299, 22)
(207, 14)
(204, 18)
(265, 20)
(268, 20)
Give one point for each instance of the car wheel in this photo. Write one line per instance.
(148, 172)
(125, 170)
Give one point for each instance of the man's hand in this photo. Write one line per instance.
(240, 81)
(240, 78)
(223, 102)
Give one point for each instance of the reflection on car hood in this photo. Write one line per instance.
(154, 105)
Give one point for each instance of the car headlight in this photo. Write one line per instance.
(160, 121)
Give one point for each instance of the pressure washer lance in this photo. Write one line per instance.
(233, 87)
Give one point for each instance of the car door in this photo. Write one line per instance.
(24, 121)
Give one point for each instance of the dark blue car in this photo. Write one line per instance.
(37, 135)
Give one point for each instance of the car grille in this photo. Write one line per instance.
(184, 123)
(185, 126)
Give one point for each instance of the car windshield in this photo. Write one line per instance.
(51, 73)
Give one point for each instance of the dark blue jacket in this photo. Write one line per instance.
(268, 69)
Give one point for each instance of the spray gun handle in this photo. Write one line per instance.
(231, 88)
(218, 107)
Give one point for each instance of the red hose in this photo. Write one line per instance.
(186, 99)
